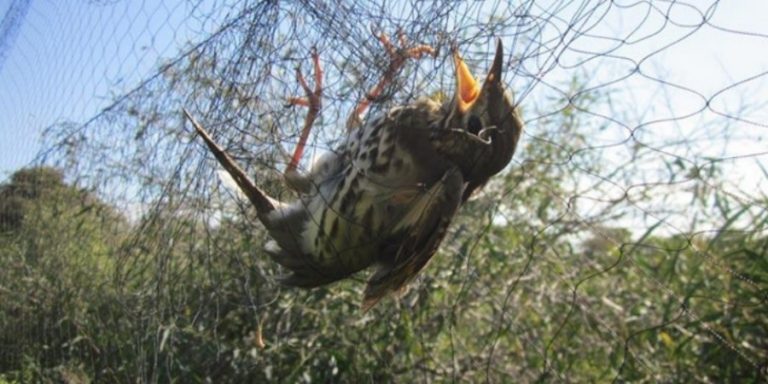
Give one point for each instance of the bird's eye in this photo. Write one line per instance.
(474, 125)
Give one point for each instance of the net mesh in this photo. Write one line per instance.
(625, 242)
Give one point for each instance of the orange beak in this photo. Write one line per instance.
(467, 89)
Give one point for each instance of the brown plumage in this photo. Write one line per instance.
(386, 196)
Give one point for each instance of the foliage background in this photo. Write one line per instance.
(626, 242)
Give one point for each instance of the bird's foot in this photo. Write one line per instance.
(311, 100)
(398, 56)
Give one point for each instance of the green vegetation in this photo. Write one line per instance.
(529, 286)
(86, 295)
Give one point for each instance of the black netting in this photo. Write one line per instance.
(625, 242)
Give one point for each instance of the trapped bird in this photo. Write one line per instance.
(386, 196)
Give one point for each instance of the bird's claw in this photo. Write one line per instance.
(311, 100)
(397, 59)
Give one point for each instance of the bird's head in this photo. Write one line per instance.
(487, 112)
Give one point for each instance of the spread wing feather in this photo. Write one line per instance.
(412, 249)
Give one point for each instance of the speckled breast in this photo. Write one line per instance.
(377, 193)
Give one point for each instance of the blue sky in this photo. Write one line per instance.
(70, 58)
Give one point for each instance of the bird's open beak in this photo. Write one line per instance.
(494, 74)
(467, 89)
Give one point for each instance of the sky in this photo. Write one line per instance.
(69, 59)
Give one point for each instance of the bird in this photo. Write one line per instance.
(385, 197)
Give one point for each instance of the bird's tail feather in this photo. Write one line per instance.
(263, 203)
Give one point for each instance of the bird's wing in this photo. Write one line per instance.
(413, 247)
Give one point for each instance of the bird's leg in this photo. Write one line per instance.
(313, 101)
(397, 59)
